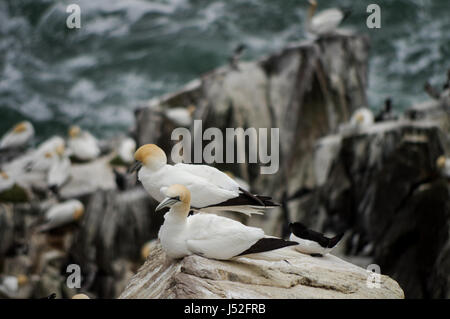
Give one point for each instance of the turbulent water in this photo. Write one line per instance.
(127, 51)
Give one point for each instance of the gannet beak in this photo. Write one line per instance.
(167, 202)
(135, 167)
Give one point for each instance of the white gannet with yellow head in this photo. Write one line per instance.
(443, 166)
(83, 145)
(181, 116)
(208, 235)
(362, 117)
(62, 214)
(326, 21)
(18, 136)
(6, 181)
(211, 189)
(126, 150)
(10, 284)
(59, 171)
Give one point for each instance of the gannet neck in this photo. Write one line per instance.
(311, 10)
(179, 212)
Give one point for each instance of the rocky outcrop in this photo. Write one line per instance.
(286, 274)
(382, 186)
(306, 90)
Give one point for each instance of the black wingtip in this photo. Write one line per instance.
(333, 241)
(268, 244)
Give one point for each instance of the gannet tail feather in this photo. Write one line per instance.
(333, 241)
(267, 244)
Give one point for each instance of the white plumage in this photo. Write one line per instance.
(308, 246)
(362, 117)
(126, 150)
(181, 116)
(59, 171)
(62, 214)
(6, 181)
(210, 188)
(9, 285)
(83, 145)
(443, 165)
(19, 135)
(207, 235)
(324, 22)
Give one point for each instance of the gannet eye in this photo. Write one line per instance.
(177, 198)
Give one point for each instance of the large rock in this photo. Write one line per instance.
(382, 186)
(306, 90)
(288, 274)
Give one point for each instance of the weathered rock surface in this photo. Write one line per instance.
(382, 186)
(288, 274)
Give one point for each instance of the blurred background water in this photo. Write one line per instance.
(131, 50)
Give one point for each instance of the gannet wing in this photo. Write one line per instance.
(326, 20)
(219, 237)
(211, 174)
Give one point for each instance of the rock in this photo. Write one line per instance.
(383, 187)
(289, 275)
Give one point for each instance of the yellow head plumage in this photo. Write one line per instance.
(20, 127)
(440, 162)
(151, 156)
(74, 131)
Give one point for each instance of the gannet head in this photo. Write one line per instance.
(191, 109)
(440, 162)
(74, 131)
(176, 196)
(60, 149)
(146, 250)
(22, 280)
(80, 296)
(78, 210)
(4, 175)
(313, 2)
(151, 156)
(21, 127)
(359, 118)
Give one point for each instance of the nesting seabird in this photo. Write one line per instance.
(181, 116)
(83, 145)
(62, 214)
(362, 117)
(443, 165)
(18, 136)
(208, 235)
(326, 21)
(312, 242)
(126, 150)
(10, 285)
(211, 189)
(59, 171)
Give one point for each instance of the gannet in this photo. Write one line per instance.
(9, 285)
(59, 171)
(83, 145)
(211, 190)
(146, 249)
(207, 235)
(62, 214)
(324, 22)
(18, 136)
(126, 150)
(6, 181)
(312, 242)
(443, 165)
(181, 116)
(362, 117)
